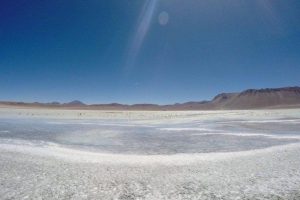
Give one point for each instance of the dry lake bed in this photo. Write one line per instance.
(74, 154)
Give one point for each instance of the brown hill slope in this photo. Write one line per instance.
(262, 98)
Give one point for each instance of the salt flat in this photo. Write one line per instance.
(79, 154)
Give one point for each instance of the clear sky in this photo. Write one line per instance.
(138, 51)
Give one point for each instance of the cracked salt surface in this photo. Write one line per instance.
(149, 155)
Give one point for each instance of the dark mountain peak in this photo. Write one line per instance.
(223, 97)
(54, 103)
(270, 90)
(144, 105)
(75, 103)
(109, 104)
(115, 104)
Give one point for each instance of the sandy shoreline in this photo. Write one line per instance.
(16, 112)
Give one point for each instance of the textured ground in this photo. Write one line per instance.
(48, 154)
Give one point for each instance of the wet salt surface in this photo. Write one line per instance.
(129, 138)
(234, 155)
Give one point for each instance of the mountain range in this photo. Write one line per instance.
(270, 98)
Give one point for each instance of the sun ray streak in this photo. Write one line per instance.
(141, 32)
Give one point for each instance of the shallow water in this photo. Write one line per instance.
(130, 137)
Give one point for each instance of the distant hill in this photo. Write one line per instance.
(261, 98)
(75, 103)
(54, 103)
(272, 98)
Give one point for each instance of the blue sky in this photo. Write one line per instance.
(137, 51)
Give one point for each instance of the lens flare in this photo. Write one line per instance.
(163, 18)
